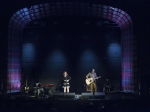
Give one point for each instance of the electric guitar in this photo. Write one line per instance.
(90, 80)
(26, 88)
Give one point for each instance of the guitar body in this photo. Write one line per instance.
(26, 89)
(90, 80)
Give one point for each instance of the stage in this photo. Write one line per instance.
(71, 102)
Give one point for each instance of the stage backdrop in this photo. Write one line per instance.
(74, 46)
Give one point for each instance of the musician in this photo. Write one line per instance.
(92, 75)
(37, 87)
(66, 78)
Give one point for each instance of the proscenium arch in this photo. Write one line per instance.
(22, 17)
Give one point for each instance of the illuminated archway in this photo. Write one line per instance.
(22, 17)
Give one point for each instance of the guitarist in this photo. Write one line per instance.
(92, 75)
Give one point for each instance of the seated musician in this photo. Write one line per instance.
(38, 88)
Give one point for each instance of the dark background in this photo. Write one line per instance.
(138, 11)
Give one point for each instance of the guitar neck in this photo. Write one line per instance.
(26, 82)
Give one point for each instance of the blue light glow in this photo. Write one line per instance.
(114, 55)
(57, 56)
(55, 61)
(28, 51)
(114, 50)
(88, 60)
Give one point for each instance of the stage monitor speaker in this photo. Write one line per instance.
(69, 96)
(86, 95)
(98, 95)
(58, 95)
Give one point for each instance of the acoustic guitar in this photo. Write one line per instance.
(26, 87)
(90, 80)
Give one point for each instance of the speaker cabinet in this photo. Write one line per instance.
(63, 95)
(98, 95)
(69, 96)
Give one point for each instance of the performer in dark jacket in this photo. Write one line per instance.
(66, 78)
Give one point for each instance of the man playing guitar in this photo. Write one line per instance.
(91, 80)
